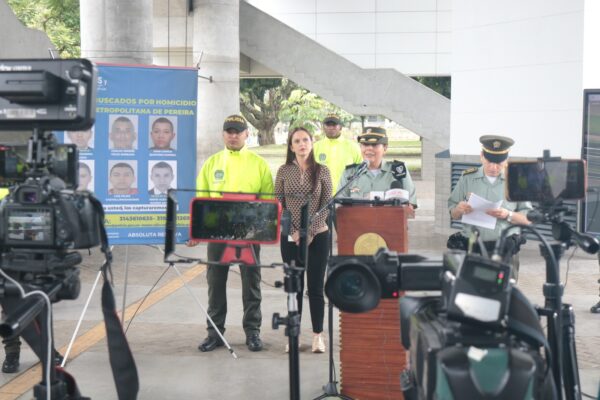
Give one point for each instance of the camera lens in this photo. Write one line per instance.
(351, 285)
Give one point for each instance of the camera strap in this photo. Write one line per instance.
(121, 358)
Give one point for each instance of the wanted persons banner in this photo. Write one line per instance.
(142, 144)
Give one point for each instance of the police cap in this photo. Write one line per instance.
(495, 148)
(333, 118)
(373, 135)
(236, 122)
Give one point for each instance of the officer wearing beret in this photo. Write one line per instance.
(335, 151)
(488, 181)
(380, 174)
(234, 169)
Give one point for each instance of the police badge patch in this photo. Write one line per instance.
(219, 175)
(398, 170)
(322, 157)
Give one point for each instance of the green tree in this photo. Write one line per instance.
(266, 102)
(59, 19)
(260, 103)
(307, 109)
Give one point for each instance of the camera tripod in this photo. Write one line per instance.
(30, 317)
(291, 284)
(560, 317)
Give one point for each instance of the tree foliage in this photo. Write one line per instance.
(266, 102)
(59, 19)
(261, 101)
(307, 109)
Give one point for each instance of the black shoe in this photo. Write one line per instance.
(595, 308)
(253, 342)
(210, 343)
(11, 363)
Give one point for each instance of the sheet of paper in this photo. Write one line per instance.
(478, 217)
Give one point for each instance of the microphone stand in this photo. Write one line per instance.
(330, 388)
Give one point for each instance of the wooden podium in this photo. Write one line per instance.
(371, 354)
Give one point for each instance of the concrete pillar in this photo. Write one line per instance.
(216, 38)
(428, 151)
(117, 31)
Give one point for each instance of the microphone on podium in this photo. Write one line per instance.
(396, 185)
(362, 167)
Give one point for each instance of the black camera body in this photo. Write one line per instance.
(40, 214)
(47, 94)
(473, 317)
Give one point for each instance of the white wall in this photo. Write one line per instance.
(591, 45)
(412, 36)
(517, 71)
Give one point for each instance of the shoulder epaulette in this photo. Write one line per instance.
(398, 169)
(470, 170)
(352, 166)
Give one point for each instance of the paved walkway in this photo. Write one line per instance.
(165, 333)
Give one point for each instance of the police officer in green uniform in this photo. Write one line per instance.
(488, 181)
(234, 169)
(335, 151)
(380, 174)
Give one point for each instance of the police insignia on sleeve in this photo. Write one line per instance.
(322, 157)
(470, 171)
(398, 170)
(352, 166)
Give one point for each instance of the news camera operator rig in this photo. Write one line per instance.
(43, 220)
(481, 338)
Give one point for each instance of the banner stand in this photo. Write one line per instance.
(85, 307)
(87, 303)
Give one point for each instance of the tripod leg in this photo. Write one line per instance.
(85, 307)
(570, 367)
(204, 311)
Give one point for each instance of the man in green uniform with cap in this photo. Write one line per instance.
(488, 181)
(379, 175)
(335, 151)
(234, 169)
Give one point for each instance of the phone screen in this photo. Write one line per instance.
(235, 221)
(546, 181)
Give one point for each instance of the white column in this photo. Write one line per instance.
(117, 31)
(216, 39)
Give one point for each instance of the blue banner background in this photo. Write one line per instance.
(143, 94)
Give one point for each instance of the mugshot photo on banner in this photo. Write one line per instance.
(145, 132)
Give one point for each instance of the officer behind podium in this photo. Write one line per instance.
(380, 174)
(487, 181)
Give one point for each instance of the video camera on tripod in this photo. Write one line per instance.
(481, 338)
(43, 218)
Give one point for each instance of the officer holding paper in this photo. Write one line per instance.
(488, 182)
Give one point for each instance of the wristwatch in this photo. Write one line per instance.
(509, 218)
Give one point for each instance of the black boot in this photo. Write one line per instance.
(11, 363)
